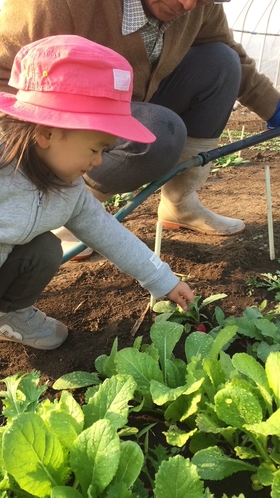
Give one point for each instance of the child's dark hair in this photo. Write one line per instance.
(18, 139)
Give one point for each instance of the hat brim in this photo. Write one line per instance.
(123, 126)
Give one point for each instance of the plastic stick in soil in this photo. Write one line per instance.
(269, 214)
(157, 252)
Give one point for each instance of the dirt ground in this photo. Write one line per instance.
(98, 303)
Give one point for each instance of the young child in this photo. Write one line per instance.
(73, 100)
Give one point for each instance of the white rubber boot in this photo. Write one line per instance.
(180, 206)
(69, 241)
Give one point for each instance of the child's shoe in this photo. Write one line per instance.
(33, 328)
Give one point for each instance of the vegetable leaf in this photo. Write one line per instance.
(178, 477)
(95, 457)
(33, 455)
(111, 401)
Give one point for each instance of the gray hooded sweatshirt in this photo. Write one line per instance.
(25, 212)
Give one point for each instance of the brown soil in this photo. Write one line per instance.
(98, 303)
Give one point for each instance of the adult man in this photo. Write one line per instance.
(188, 72)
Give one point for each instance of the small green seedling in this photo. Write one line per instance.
(228, 161)
(118, 200)
(192, 317)
(267, 281)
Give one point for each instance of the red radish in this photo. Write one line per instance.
(200, 328)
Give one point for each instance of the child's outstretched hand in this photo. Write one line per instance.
(181, 294)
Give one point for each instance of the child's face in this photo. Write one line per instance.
(71, 153)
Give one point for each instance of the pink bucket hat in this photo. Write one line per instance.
(67, 81)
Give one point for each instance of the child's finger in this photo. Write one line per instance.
(181, 294)
(183, 300)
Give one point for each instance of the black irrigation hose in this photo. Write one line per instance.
(239, 145)
(200, 160)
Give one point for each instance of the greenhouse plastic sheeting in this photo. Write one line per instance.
(256, 24)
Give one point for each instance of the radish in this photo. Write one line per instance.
(200, 328)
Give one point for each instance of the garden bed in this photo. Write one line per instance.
(99, 303)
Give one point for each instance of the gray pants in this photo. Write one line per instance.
(198, 97)
(27, 271)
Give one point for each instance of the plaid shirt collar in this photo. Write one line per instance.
(134, 18)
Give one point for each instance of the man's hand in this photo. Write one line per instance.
(181, 294)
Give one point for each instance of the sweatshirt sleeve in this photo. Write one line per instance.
(98, 229)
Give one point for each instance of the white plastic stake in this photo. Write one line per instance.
(241, 138)
(157, 252)
(269, 213)
(229, 136)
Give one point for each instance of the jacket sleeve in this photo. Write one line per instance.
(98, 229)
(256, 90)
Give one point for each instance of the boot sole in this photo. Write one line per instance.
(178, 226)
